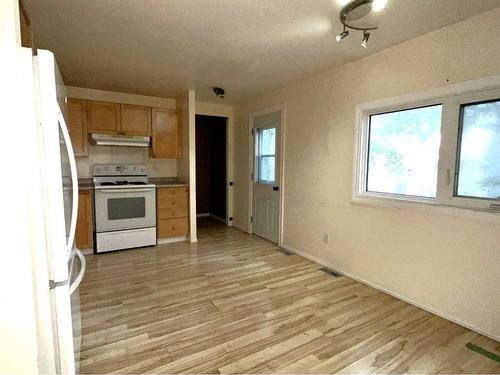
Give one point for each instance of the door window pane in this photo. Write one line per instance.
(266, 155)
(268, 141)
(266, 169)
(403, 152)
(126, 208)
(479, 164)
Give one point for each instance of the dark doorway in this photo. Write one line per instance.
(211, 167)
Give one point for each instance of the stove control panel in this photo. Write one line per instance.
(119, 170)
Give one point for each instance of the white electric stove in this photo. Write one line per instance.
(125, 207)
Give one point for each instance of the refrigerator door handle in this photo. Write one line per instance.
(74, 285)
(74, 180)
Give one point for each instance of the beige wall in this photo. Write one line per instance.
(448, 264)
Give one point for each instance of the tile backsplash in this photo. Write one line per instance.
(125, 155)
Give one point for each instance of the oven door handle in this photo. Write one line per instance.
(132, 190)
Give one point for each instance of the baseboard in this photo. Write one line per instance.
(240, 227)
(215, 217)
(432, 310)
(162, 241)
(218, 218)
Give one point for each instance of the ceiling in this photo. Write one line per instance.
(163, 47)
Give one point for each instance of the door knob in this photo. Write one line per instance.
(276, 188)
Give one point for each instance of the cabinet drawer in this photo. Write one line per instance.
(172, 227)
(169, 198)
(173, 202)
(172, 213)
(164, 193)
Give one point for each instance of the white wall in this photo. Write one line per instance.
(123, 155)
(447, 264)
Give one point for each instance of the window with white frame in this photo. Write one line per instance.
(436, 149)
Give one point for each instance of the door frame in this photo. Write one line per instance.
(251, 157)
(227, 112)
(229, 173)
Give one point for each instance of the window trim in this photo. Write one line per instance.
(452, 98)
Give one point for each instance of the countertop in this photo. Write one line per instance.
(170, 184)
(85, 184)
(166, 182)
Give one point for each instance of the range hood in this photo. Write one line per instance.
(119, 140)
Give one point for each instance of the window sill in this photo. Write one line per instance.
(430, 207)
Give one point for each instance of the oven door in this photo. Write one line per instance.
(124, 208)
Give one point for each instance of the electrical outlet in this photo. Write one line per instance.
(326, 237)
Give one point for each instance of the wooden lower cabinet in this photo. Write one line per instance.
(172, 211)
(84, 220)
(172, 227)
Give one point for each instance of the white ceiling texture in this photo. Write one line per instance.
(163, 47)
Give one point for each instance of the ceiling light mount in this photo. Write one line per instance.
(219, 92)
(354, 10)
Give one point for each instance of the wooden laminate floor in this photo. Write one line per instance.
(235, 304)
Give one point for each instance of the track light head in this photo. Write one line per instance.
(344, 34)
(366, 36)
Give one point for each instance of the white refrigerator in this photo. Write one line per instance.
(65, 263)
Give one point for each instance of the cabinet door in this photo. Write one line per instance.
(84, 221)
(77, 126)
(103, 117)
(166, 134)
(173, 227)
(135, 120)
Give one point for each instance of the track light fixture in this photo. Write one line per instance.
(366, 36)
(362, 7)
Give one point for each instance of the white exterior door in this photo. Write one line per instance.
(265, 205)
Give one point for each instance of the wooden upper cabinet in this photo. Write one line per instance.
(135, 120)
(77, 126)
(166, 140)
(103, 117)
